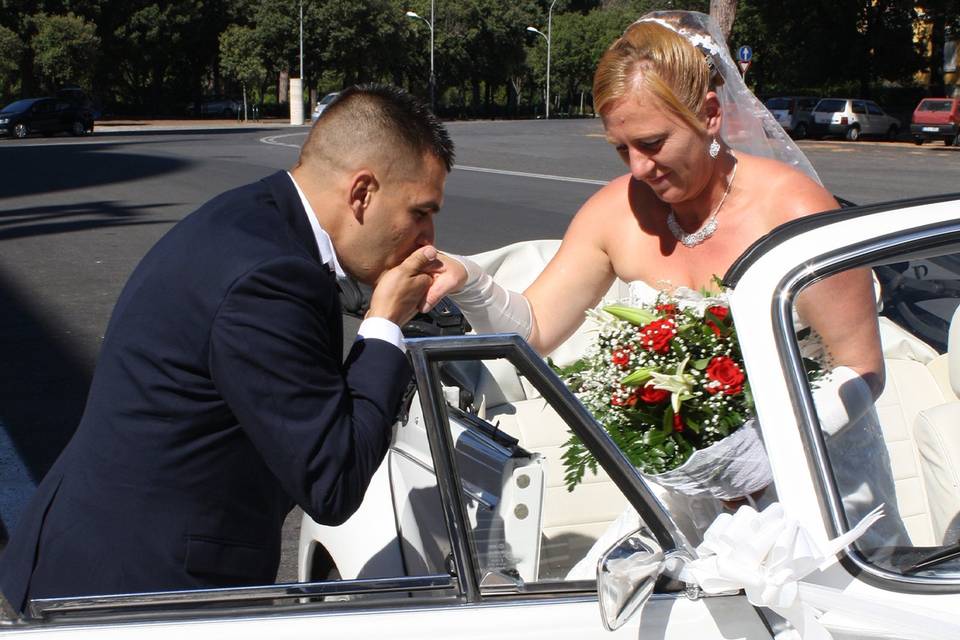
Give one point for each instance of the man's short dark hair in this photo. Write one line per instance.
(362, 110)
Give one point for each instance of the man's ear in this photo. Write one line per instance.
(712, 113)
(363, 187)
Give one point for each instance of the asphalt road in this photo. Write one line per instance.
(76, 215)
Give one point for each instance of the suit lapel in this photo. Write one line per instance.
(291, 209)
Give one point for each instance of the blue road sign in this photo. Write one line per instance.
(745, 53)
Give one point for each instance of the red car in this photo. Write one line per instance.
(936, 118)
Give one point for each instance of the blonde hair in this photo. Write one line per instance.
(651, 56)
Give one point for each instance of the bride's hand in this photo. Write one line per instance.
(449, 279)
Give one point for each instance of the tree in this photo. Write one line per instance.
(365, 41)
(65, 48)
(724, 12)
(483, 47)
(11, 49)
(942, 18)
(241, 59)
(149, 50)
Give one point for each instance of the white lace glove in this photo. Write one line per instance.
(489, 307)
(841, 399)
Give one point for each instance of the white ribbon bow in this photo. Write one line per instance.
(767, 554)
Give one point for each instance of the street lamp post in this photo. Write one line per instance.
(301, 40)
(429, 23)
(537, 31)
(546, 36)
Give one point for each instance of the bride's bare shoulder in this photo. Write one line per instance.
(605, 205)
(787, 192)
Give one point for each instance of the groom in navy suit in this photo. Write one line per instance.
(220, 396)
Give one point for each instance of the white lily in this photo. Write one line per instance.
(679, 384)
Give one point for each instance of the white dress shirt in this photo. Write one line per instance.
(378, 328)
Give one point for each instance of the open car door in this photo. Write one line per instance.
(902, 578)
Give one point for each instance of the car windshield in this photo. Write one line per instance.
(778, 103)
(935, 105)
(327, 99)
(19, 105)
(830, 105)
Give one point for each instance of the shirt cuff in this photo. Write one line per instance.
(382, 329)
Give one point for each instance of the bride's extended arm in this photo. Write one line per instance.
(552, 308)
(842, 310)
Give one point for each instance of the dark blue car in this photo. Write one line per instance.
(45, 116)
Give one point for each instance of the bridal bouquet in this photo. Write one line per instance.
(667, 382)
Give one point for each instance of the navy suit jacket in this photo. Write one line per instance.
(220, 398)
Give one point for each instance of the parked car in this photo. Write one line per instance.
(468, 529)
(219, 106)
(79, 98)
(794, 113)
(45, 116)
(851, 118)
(323, 104)
(936, 118)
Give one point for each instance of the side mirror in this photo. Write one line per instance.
(626, 575)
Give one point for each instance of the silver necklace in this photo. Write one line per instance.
(707, 229)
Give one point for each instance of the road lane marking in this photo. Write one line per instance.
(274, 140)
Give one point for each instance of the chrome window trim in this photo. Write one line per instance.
(45, 607)
(866, 253)
(426, 353)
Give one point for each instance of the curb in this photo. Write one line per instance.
(161, 126)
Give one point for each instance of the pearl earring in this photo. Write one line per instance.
(714, 148)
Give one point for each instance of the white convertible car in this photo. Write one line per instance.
(468, 530)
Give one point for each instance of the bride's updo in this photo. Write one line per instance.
(651, 56)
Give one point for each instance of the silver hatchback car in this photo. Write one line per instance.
(794, 113)
(851, 118)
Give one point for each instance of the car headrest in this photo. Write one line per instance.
(953, 351)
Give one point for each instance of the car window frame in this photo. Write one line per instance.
(923, 240)
(426, 354)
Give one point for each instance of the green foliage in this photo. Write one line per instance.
(856, 42)
(64, 48)
(151, 49)
(241, 55)
(365, 41)
(153, 55)
(11, 48)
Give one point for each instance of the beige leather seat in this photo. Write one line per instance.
(936, 431)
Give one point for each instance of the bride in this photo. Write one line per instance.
(709, 173)
(696, 196)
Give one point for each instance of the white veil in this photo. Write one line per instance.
(747, 125)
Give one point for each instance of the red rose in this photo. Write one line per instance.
(619, 401)
(667, 309)
(620, 357)
(651, 395)
(678, 425)
(657, 335)
(725, 376)
(720, 313)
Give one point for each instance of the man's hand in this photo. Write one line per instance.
(449, 279)
(400, 292)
